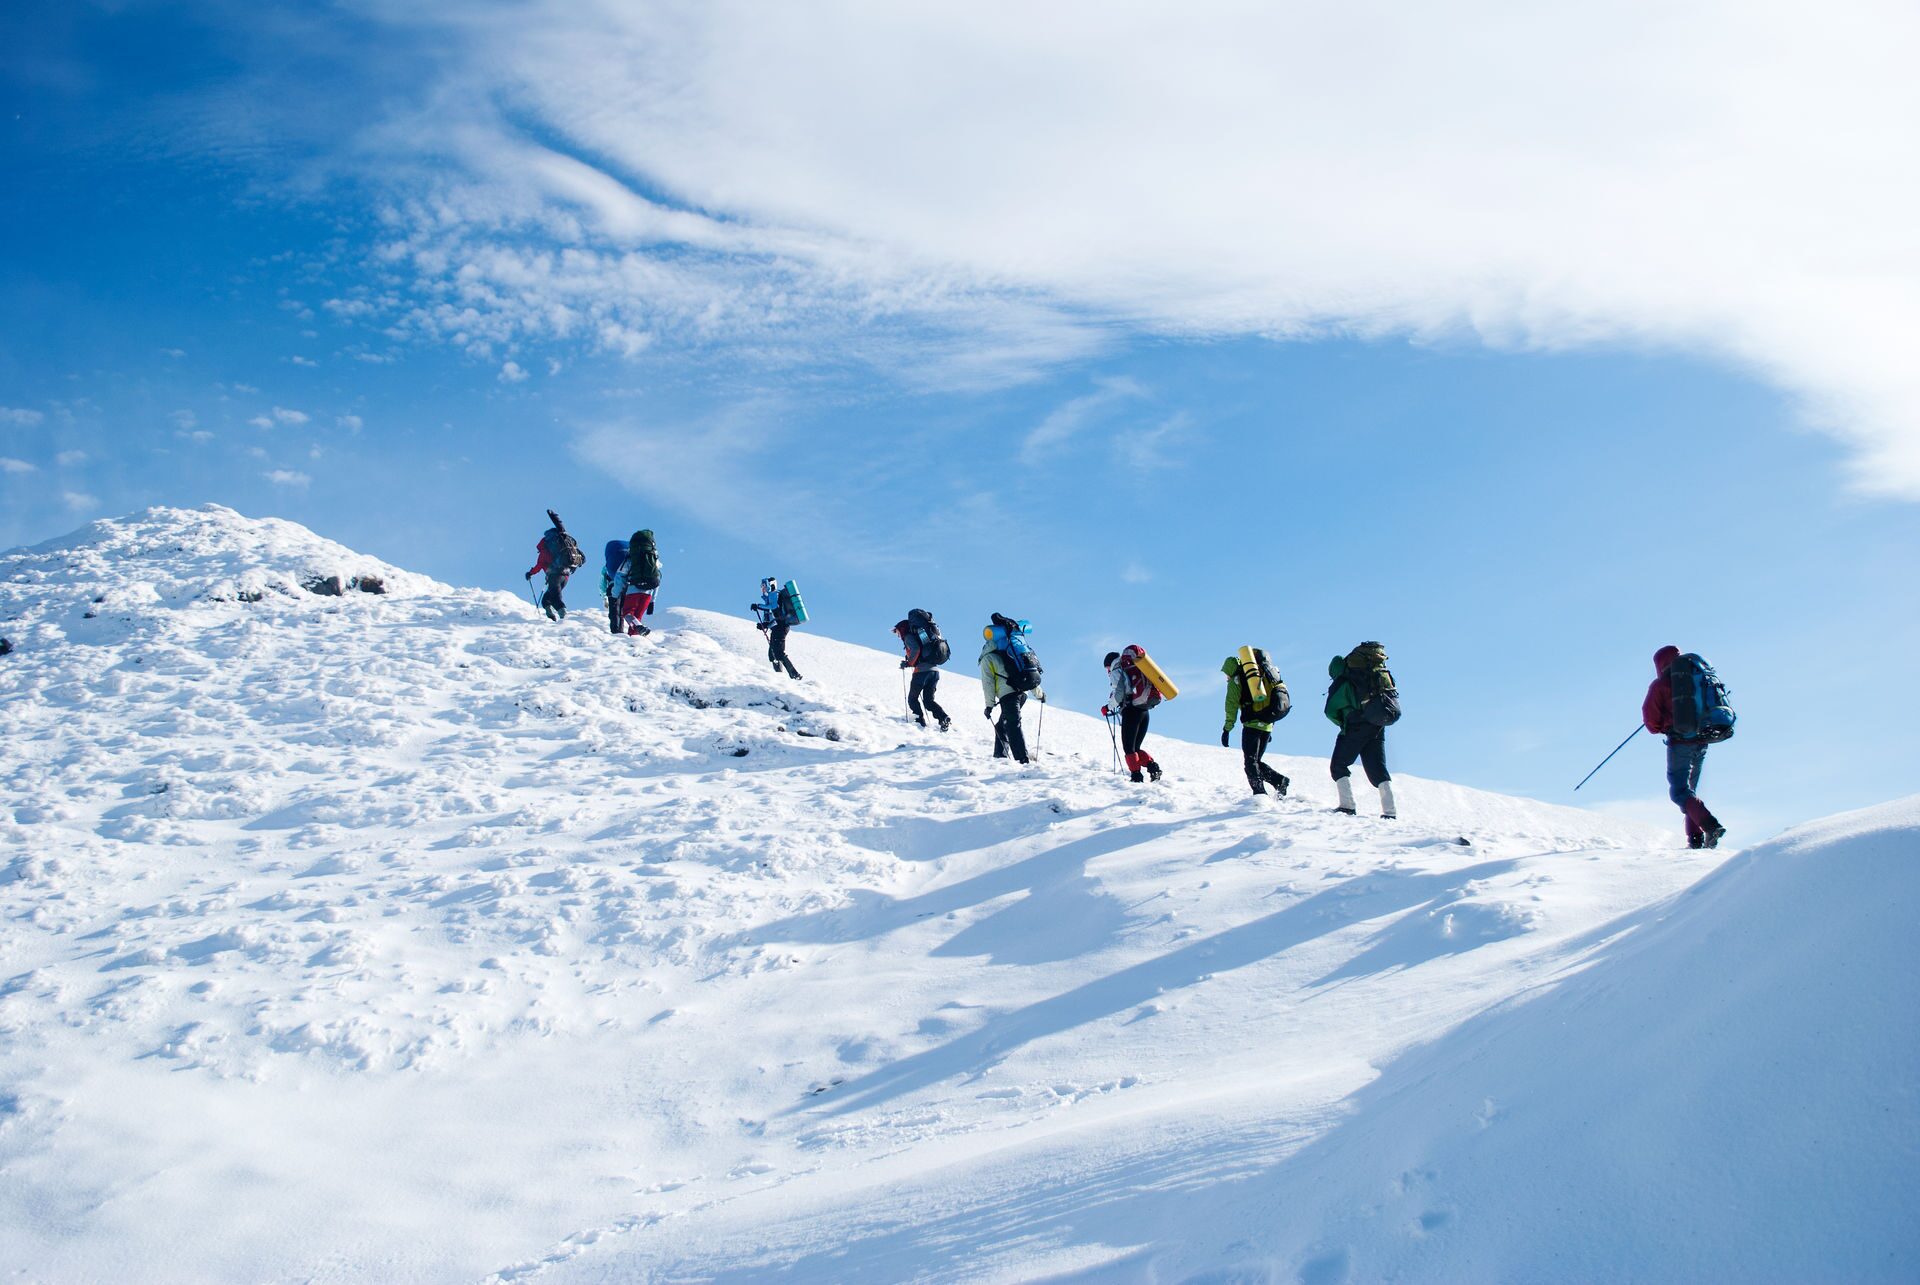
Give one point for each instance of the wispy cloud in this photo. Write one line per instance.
(9, 465)
(20, 416)
(79, 501)
(287, 477)
(70, 459)
(285, 416)
(1067, 420)
(1700, 177)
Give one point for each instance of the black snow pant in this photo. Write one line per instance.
(1007, 735)
(1133, 732)
(1253, 747)
(921, 694)
(1366, 742)
(777, 648)
(550, 600)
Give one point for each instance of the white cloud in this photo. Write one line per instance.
(352, 423)
(286, 477)
(79, 501)
(245, 388)
(1067, 420)
(195, 435)
(285, 416)
(22, 417)
(970, 192)
(12, 466)
(261, 421)
(1136, 574)
(175, 353)
(511, 373)
(70, 459)
(184, 419)
(303, 361)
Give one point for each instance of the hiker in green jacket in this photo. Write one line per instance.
(1256, 726)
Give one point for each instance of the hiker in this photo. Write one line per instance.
(777, 614)
(633, 586)
(1362, 703)
(1686, 754)
(1131, 697)
(614, 554)
(1008, 672)
(559, 557)
(1258, 699)
(926, 652)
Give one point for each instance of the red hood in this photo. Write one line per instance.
(1665, 657)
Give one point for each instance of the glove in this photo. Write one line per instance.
(650, 606)
(529, 577)
(1105, 712)
(1041, 697)
(987, 712)
(1224, 733)
(906, 664)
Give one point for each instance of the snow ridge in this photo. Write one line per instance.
(450, 944)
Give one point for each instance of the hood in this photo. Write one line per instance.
(1336, 667)
(1665, 657)
(1230, 667)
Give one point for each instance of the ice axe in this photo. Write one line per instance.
(1638, 728)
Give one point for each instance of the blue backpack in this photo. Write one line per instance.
(1009, 638)
(1701, 711)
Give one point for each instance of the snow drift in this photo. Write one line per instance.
(399, 935)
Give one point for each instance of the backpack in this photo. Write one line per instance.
(920, 627)
(1279, 703)
(788, 609)
(1373, 684)
(1009, 638)
(563, 554)
(1701, 711)
(643, 562)
(616, 554)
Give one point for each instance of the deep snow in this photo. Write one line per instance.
(413, 938)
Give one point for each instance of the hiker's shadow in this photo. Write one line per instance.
(1364, 897)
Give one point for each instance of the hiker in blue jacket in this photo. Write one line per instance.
(775, 623)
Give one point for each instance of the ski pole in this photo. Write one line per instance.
(531, 598)
(1040, 727)
(1609, 758)
(1115, 742)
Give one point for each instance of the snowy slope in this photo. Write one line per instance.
(409, 937)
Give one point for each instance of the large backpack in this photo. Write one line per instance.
(788, 608)
(643, 562)
(616, 553)
(926, 635)
(1373, 684)
(1017, 657)
(563, 554)
(1279, 703)
(1701, 711)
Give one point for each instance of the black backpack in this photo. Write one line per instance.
(1279, 703)
(1701, 710)
(933, 647)
(1373, 684)
(643, 562)
(563, 554)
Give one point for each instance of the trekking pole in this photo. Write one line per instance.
(1609, 758)
(531, 598)
(1039, 728)
(1115, 742)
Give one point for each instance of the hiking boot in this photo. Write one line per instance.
(1135, 776)
(920, 723)
(1696, 840)
(644, 631)
(1259, 787)
(1280, 785)
(1387, 808)
(1715, 833)
(1153, 770)
(946, 725)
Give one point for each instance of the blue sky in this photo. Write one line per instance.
(1523, 381)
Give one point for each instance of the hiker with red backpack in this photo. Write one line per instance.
(1687, 704)
(632, 586)
(1132, 697)
(926, 652)
(559, 557)
(1363, 703)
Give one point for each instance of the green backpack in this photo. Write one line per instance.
(643, 561)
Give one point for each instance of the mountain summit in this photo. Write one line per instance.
(361, 927)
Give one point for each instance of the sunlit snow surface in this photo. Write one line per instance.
(410, 937)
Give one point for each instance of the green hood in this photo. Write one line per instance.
(1230, 666)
